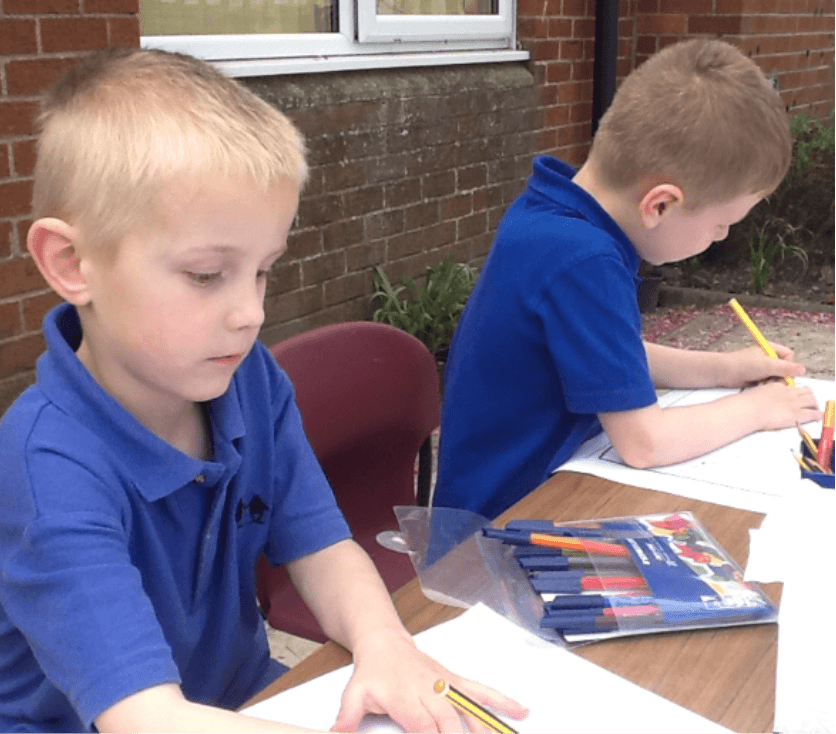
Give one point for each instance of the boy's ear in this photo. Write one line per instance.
(657, 202)
(51, 243)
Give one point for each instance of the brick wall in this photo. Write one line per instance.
(39, 39)
(407, 165)
(791, 40)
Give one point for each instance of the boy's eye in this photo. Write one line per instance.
(203, 278)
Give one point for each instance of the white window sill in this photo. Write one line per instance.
(319, 64)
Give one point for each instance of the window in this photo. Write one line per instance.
(255, 37)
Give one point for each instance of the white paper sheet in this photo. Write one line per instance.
(564, 692)
(749, 474)
(794, 545)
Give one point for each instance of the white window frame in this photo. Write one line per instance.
(387, 41)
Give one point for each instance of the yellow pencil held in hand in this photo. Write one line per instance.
(469, 706)
(755, 332)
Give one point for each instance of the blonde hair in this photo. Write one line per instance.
(698, 114)
(124, 123)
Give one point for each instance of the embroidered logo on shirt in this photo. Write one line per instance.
(253, 512)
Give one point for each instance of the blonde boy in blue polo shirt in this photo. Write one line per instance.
(160, 451)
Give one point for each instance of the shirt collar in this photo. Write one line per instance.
(155, 467)
(552, 178)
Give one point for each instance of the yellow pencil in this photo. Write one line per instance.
(469, 706)
(755, 332)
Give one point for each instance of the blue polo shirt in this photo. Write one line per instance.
(126, 563)
(549, 338)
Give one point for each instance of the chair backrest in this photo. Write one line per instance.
(369, 398)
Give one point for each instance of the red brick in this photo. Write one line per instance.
(293, 305)
(456, 206)
(574, 8)
(571, 49)
(652, 24)
(15, 198)
(17, 118)
(339, 235)
(323, 268)
(17, 37)
(285, 277)
(304, 243)
(31, 76)
(123, 32)
(582, 70)
(423, 214)
(73, 34)
(20, 354)
(354, 285)
(22, 227)
(544, 50)
(471, 226)
(558, 115)
(127, 7)
(20, 275)
(5, 238)
(533, 28)
(11, 387)
(583, 28)
(5, 165)
(720, 25)
(365, 255)
(559, 28)
(690, 7)
(41, 7)
(580, 112)
(575, 91)
(10, 322)
(401, 193)
(35, 308)
(24, 152)
(528, 8)
(558, 72)
(434, 185)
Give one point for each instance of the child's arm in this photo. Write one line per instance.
(164, 709)
(683, 368)
(653, 436)
(346, 594)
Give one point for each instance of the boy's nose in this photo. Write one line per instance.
(247, 309)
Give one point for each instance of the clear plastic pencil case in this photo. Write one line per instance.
(578, 581)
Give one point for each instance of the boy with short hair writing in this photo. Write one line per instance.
(548, 349)
(164, 192)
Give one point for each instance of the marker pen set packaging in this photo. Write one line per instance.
(578, 581)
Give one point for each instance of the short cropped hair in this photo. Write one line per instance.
(699, 114)
(125, 122)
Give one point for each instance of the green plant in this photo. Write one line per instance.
(762, 251)
(809, 139)
(430, 310)
(762, 256)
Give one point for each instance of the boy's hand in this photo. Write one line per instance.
(391, 676)
(782, 406)
(751, 365)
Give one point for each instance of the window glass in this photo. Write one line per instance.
(221, 17)
(436, 7)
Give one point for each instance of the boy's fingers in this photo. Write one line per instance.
(351, 711)
(494, 699)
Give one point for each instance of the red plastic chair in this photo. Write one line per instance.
(369, 398)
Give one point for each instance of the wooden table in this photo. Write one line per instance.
(726, 675)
